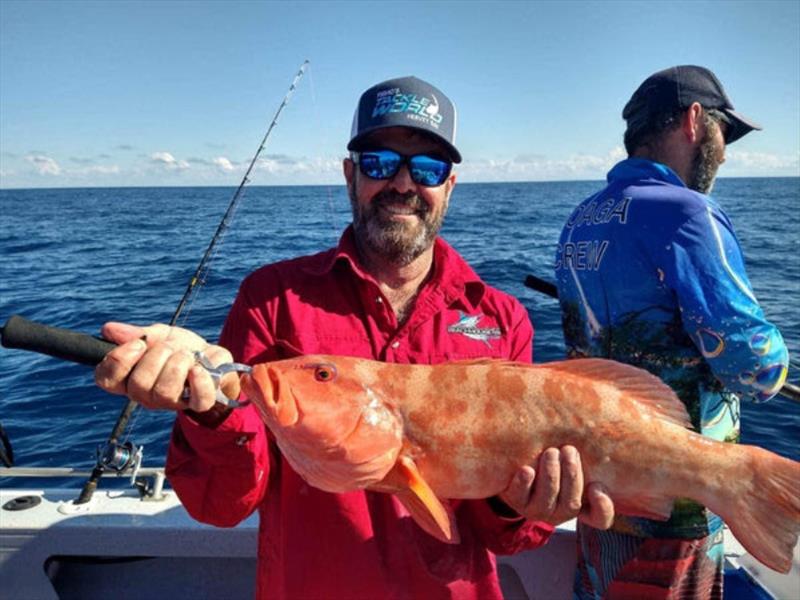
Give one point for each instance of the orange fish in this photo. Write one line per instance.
(462, 429)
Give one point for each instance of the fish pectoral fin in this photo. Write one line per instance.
(658, 508)
(421, 502)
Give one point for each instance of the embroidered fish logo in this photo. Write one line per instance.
(468, 325)
(433, 109)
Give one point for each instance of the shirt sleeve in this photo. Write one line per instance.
(719, 311)
(221, 474)
(500, 534)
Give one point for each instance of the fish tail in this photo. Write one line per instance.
(765, 515)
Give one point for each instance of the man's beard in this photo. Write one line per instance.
(398, 242)
(705, 164)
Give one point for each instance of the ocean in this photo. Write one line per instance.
(76, 258)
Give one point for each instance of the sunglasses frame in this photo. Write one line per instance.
(404, 160)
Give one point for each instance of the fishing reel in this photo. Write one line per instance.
(120, 458)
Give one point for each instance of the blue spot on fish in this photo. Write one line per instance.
(760, 344)
(747, 378)
(770, 380)
(711, 343)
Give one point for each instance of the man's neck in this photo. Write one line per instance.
(671, 153)
(399, 283)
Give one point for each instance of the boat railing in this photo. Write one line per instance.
(148, 480)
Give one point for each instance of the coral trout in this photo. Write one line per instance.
(462, 429)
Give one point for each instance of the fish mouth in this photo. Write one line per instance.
(276, 402)
(284, 404)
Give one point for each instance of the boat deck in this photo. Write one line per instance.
(121, 546)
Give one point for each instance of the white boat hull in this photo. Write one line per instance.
(121, 546)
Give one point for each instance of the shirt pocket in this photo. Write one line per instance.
(288, 349)
(290, 346)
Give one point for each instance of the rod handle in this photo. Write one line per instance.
(20, 333)
(541, 286)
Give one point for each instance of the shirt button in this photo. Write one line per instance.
(396, 345)
(379, 300)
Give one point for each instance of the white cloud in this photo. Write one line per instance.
(167, 160)
(593, 167)
(541, 168)
(164, 157)
(223, 163)
(44, 164)
(98, 170)
(760, 162)
(314, 169)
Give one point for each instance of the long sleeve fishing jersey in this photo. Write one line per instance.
(361, 544)
(651, 273)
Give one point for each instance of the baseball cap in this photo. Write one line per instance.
(405, 102)
(677, 88)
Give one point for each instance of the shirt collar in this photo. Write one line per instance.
(642, 168)
(451, 273)
(454, 277)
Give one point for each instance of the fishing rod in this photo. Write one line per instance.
(788, 390)
(116, 456)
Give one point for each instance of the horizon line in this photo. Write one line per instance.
(268, 185)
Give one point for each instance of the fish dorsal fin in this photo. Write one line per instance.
(472, 361)
(436, 518)
(642, 386)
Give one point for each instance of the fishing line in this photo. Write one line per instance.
(192, 289)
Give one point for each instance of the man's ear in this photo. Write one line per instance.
(692, 123)
(451, 183)
(348, 168)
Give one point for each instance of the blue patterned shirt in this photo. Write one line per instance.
(650, 273)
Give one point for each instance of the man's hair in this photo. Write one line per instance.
(649, 132)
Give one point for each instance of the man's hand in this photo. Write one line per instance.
(152, 365)
(554, 492)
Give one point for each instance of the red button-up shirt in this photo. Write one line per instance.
(314, 544)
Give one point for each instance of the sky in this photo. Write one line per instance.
(161, 93)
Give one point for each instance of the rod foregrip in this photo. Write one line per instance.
(542, 286)
(65, 344)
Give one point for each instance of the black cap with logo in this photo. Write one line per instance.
(406, 102)
(677, 88)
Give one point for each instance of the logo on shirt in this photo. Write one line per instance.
(468, 325)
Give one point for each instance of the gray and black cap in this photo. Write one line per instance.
(677, 88)
(405, 102)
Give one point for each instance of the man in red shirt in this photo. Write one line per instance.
(392, 290)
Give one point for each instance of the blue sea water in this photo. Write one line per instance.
(76, 258)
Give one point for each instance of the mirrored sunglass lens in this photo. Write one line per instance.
(429, 171)
(379, 165)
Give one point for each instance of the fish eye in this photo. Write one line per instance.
(325, 373)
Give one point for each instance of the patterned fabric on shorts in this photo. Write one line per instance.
(616, 566)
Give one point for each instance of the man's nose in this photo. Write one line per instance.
(402, 181)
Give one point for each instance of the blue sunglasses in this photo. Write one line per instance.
(384, 164)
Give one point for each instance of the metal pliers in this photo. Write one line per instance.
(217, 374)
